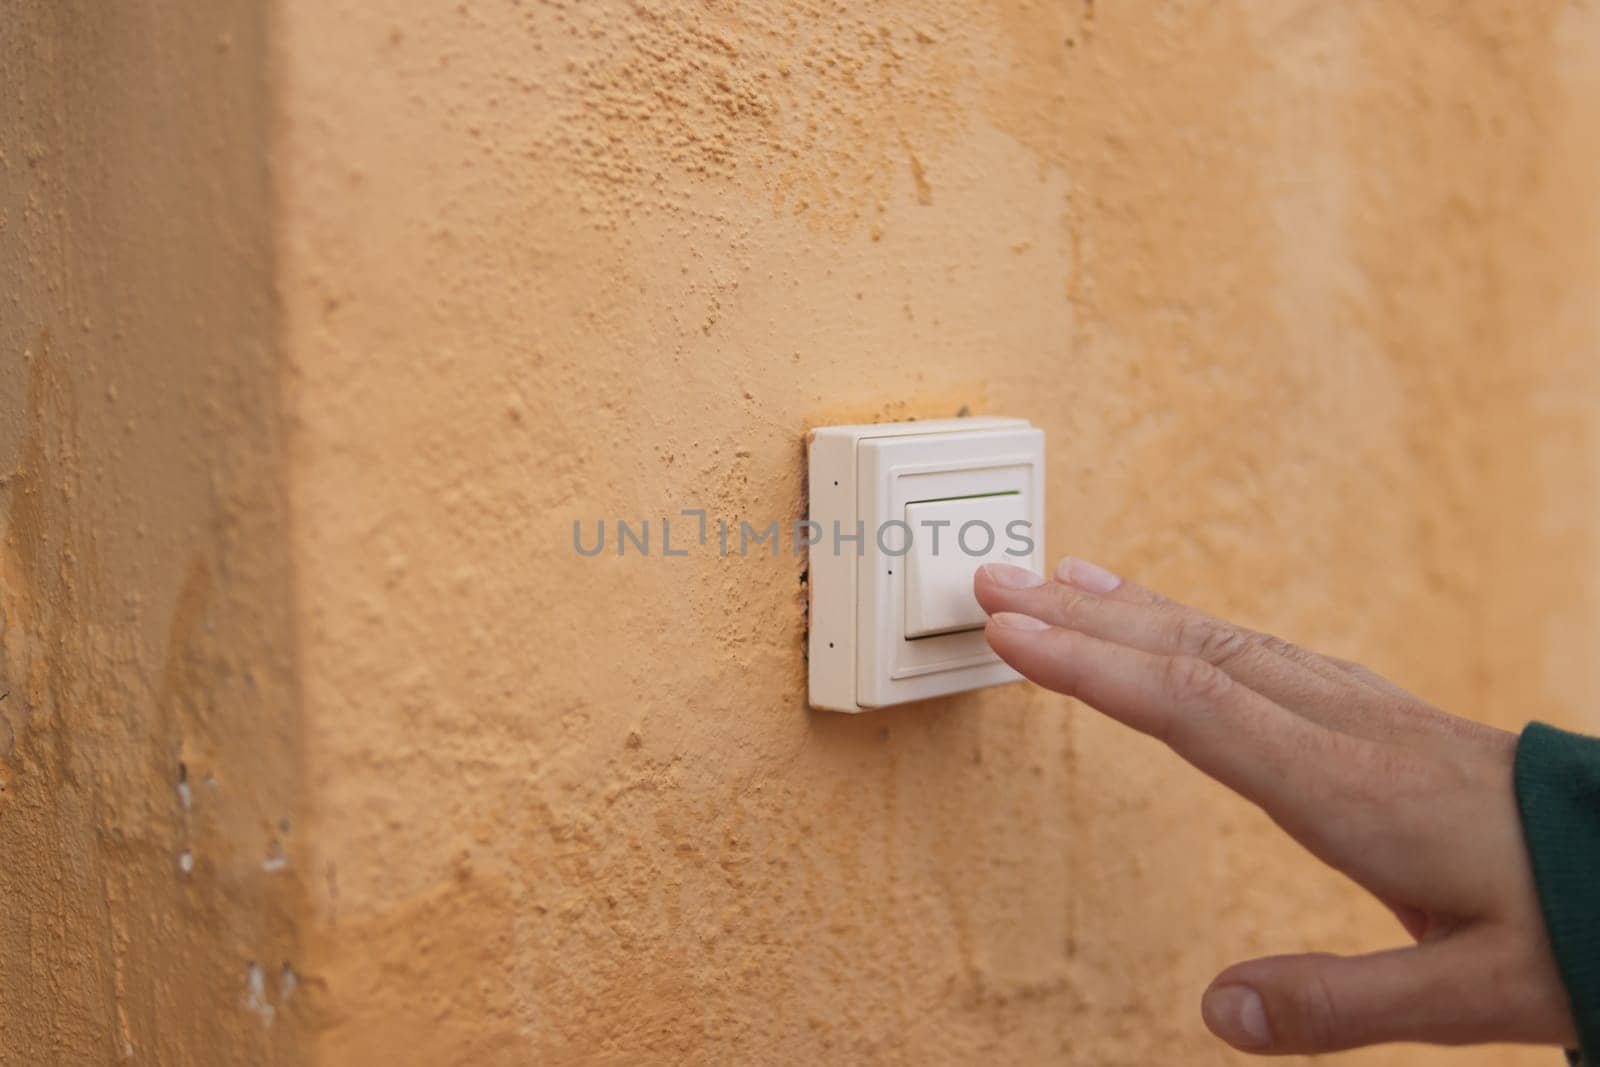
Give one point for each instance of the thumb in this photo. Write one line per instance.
(1321, 1003)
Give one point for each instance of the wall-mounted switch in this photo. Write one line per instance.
(903, 515)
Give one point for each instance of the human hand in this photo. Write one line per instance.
(1417, 806)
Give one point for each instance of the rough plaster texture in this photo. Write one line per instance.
(1302, 294)
(148, 743)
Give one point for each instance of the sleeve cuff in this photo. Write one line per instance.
(1558, 795)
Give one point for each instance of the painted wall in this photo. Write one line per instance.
(149, 771)
(1302, 294)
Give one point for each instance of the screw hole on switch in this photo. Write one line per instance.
(836, 481)
(891, 572)
(830, 644)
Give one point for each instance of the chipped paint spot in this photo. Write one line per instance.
(255, 997)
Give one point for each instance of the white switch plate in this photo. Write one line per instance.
(864, 479)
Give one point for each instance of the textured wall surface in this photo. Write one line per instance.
(148, 772)
(1302, 294)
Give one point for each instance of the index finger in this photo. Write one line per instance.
(1295, 770)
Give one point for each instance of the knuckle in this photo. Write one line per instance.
(1145, 597)
(1287, 649)
(1210, 641)
(1318, 1010)
(1069, 602)
(1192, 681)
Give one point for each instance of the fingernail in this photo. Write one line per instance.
(1008, 577)
(1086, 575)
(1012, 621)
(1235, 1013)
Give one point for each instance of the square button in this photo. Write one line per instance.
(950, 540)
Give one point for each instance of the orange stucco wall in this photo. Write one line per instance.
(1301, 293)
(149, 768)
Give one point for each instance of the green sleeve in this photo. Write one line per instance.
(1558, 793)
